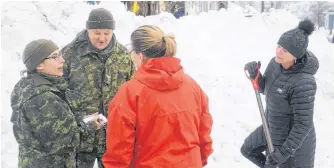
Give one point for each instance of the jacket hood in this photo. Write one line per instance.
(162, 74)
(35, 84)
(308, 64)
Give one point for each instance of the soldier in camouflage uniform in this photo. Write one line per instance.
(43, 124)
(96, 65)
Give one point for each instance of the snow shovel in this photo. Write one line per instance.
(256, 87)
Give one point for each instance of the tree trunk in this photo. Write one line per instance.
(262, 6)
(318, 13)
(278, 4)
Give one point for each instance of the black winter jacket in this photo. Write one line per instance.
(290, 95)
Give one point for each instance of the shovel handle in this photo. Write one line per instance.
(264, 123)
(255, 82)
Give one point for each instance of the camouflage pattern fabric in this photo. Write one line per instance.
(96, 76)
(43, 124)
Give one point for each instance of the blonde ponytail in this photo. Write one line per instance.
(170, 45)
(151, 41)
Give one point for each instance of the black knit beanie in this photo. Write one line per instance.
(295, 41)
(36, 51)
(100, 18)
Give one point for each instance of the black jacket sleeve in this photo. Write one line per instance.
(263, 78)
(302, 103)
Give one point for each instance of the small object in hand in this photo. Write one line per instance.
(102, 119)
(88, 119)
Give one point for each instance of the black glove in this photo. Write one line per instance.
(276, 158)
(252, 70)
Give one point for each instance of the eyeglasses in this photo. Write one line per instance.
(55, 56)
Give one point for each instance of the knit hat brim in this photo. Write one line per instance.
(37, 55)
(105, 24)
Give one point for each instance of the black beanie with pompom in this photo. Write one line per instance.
(295, 41)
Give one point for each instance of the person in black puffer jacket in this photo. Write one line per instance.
(290, 88)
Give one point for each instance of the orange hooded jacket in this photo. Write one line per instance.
(159, 119)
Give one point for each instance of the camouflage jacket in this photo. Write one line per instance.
(96, 76)
(43, 124)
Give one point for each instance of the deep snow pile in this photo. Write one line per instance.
(213, 46)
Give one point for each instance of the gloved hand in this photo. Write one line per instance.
(252, 70)
(276, 158)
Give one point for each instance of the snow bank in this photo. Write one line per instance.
(213, 46)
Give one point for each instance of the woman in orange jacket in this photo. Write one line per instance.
(160, 118)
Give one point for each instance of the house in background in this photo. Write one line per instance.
(196, 7)
(184, 8)
(329, 25)
(329, 20)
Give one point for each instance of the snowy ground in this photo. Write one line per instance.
(213, 46)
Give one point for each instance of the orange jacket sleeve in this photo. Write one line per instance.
(120, 138)
(205, 130)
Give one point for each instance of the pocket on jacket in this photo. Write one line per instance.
(87, 144)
